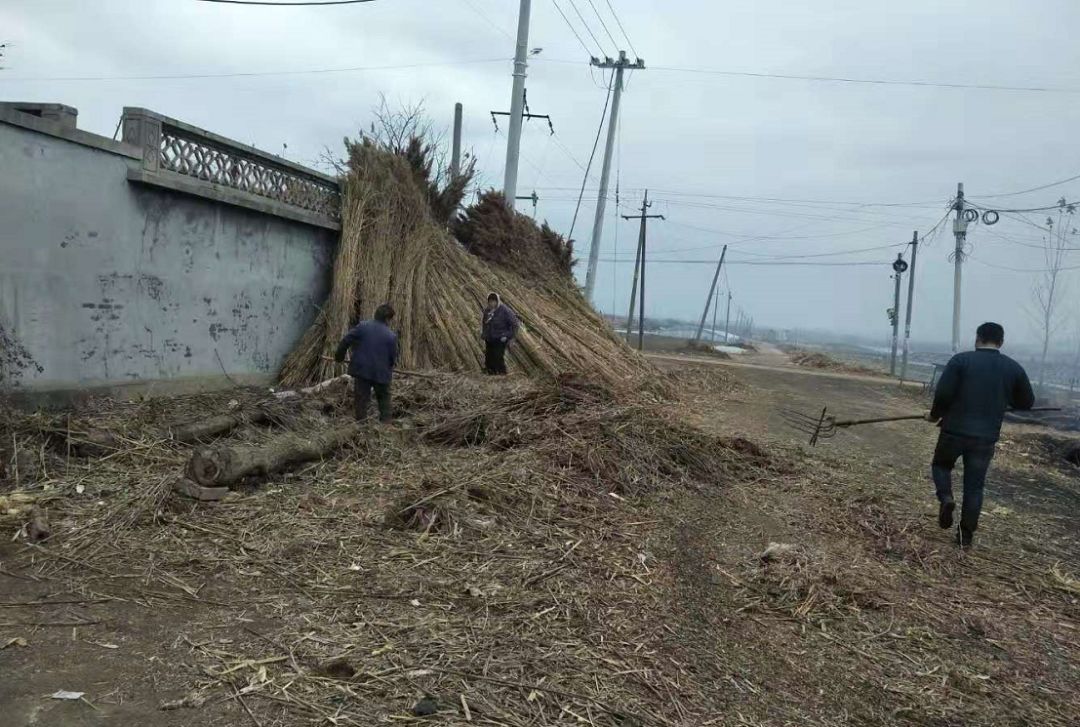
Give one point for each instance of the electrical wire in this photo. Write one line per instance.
(487, 19)
(603, 25)
(252, 74)
(867, 81)
(572, 30)
(850, 80)
(621, 28)
(1057, 206)
(806, 255)
(592, 155)
(588, 28)
(766, 263)
(1033, 189)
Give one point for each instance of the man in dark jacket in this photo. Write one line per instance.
(499, 325)
(975, 390)
(374, 353)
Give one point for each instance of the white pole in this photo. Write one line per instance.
(517, 105)
(605, 172)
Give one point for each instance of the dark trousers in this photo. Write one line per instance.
(495, 357)
(362, 398)
(976, 454)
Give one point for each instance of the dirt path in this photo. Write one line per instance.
(870, 614)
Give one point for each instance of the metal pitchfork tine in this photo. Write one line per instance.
(822, 426)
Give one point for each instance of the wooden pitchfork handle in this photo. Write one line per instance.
(908, 417)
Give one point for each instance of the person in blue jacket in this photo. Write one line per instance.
(374, 352)
(498, 325)
(975, 390)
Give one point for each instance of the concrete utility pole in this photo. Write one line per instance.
(455, 156)
(605, 170)
(708, 301)
(898, 266)
(639, 267)
(727, 318)
(715, 304)
(910, 300)
(960, 232)
(517, 104)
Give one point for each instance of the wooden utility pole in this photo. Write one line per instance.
(639, 274)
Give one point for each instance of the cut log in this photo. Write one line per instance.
(319, 388)
(224, 466)
(189, 432)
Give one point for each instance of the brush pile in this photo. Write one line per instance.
(439, 559)
(394, 249)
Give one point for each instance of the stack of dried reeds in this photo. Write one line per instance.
(393, 250)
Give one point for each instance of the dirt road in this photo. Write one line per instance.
(812, 588)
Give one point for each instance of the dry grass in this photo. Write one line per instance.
(392, 250)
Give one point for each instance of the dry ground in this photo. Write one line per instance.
(550, 593)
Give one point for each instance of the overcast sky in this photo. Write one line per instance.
(774, 167)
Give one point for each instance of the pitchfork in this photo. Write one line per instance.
(824, 426)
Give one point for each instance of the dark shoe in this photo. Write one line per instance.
(945, 514)
(964, 538)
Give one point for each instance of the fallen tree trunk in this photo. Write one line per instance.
(316, 389)
(205, 428)
(225, 466)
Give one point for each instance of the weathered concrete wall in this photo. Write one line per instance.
(105, 282)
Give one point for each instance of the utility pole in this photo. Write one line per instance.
(517, 103)
(960, 232)
(708, 301)
(898, 266)
(532, 197)
(639, 267)
(727, 318)
(455, 156)
(910, 300)
(605, 170)
(715, 304)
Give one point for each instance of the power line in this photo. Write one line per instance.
(592, 155)
(621, 28)
(255, 74)
(599, 17)
(1029, 209)
(803, 256)
(588, 28)
(858, 81)
(868, 81)
(285, 4)
(487, 19)
(766, 263)
(1033, 189)
(572, 30)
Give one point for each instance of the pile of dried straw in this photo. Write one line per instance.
(393, 249)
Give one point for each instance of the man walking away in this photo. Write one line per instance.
(499, 325)
(374, 353)
(975, 390)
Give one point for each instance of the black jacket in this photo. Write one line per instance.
(976, 389)
(374, 351)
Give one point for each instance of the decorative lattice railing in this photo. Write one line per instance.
(174, 146)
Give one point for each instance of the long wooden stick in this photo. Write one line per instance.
(906, 417)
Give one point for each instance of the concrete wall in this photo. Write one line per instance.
(106, 282)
